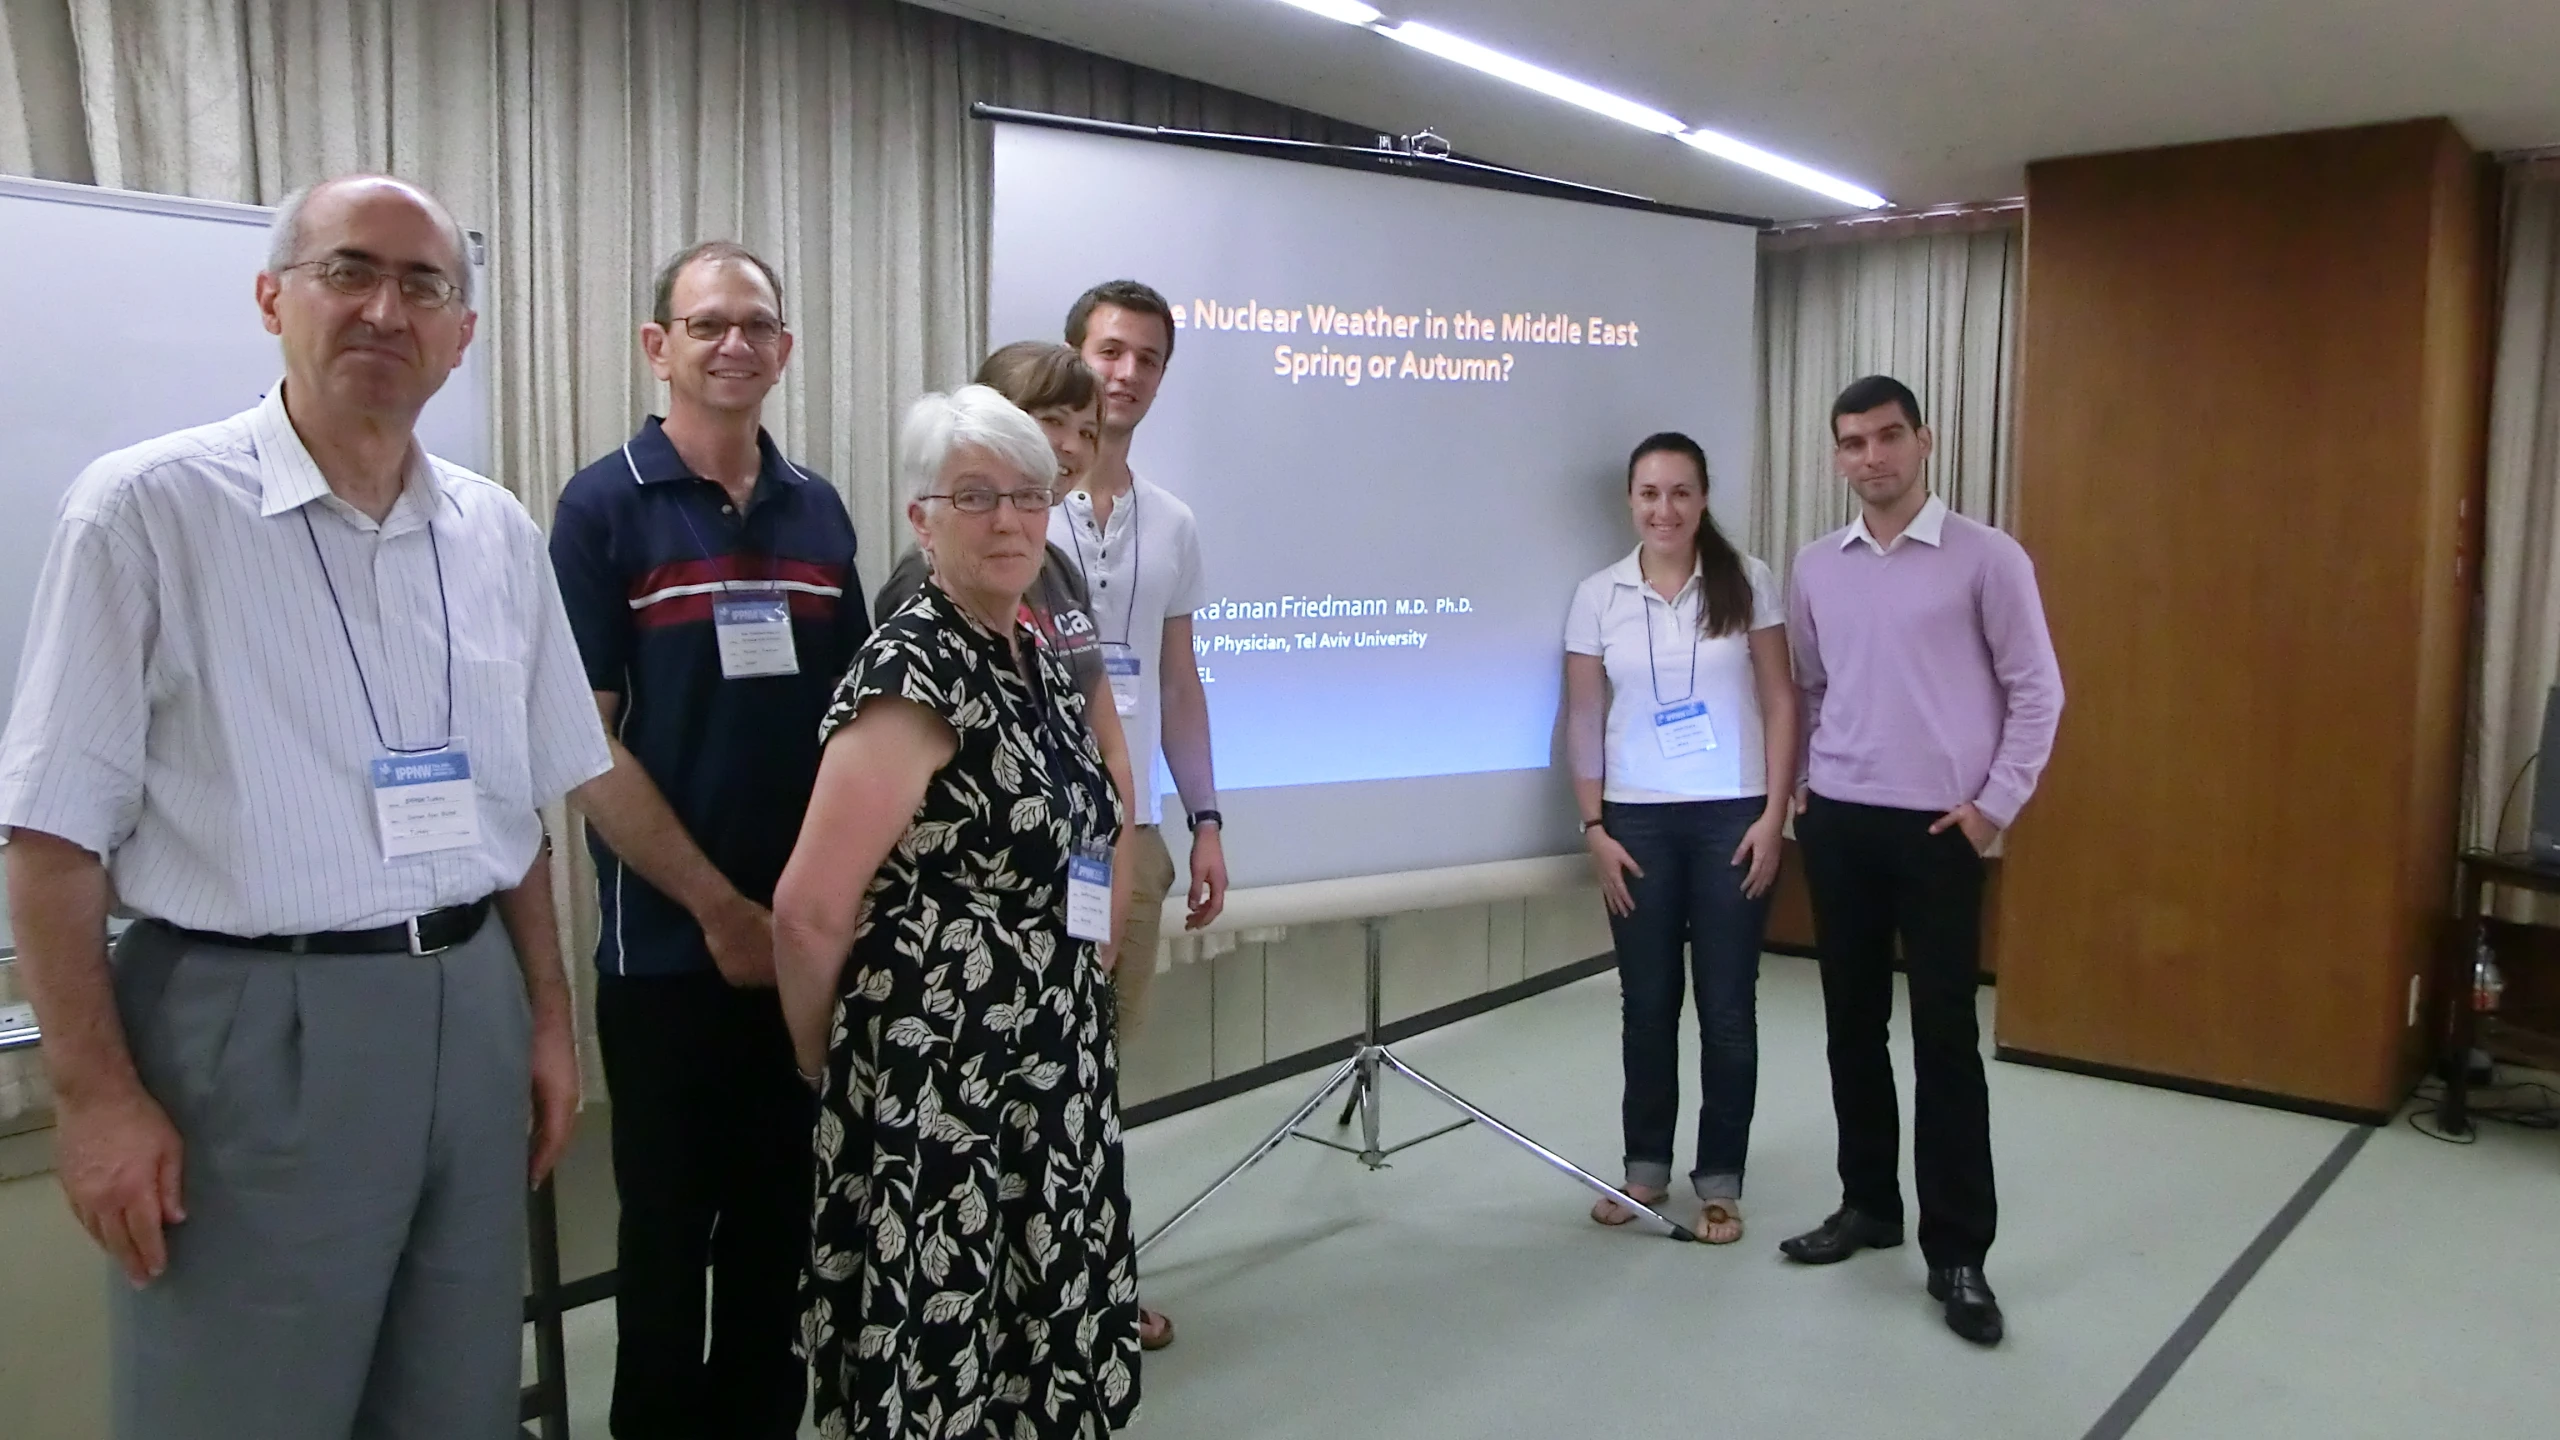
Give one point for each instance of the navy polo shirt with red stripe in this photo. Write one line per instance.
(643, 546)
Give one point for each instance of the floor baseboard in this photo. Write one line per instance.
(2211, 1090)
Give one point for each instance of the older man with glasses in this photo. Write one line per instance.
(712, 588)
(293, 692)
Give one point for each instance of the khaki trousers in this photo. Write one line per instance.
(1150, 881)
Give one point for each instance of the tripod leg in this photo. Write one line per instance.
(1370, 1154)
(1269, 1143)
(1351, 1102)
(1486, 1118)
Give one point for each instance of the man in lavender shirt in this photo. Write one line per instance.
(1930, 699)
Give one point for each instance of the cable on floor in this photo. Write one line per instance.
(2502, 1104)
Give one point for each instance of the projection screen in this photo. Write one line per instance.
(1401, 411)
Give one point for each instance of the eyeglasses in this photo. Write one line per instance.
(358, 279)
(762, 332)
(1030, 501)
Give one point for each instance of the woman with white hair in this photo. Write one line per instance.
(972, 1271)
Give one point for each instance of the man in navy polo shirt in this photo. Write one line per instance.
(711, 585)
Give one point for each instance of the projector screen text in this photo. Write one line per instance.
(1298, 363)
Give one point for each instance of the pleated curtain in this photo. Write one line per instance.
(1938, 312)
(2519, 649)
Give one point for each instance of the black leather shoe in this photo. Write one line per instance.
(1845, 1234)
(1972, 1310)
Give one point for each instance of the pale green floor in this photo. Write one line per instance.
(1461, 1293)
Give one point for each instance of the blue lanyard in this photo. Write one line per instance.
(743, 549)
(443, 603)
(1137, 554)
(1645, 609)
(1043, 720)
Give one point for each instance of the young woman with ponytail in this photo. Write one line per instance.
(1681, 728)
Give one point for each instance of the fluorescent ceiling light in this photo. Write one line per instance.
(1725, 147)
(1434, 41)
(1349, 12)
(1521, 72)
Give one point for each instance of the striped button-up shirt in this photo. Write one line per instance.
(220, 648)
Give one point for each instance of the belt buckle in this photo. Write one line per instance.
(418, 946)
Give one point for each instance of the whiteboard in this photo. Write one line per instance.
(133, 316)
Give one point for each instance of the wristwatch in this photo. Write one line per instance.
(1206, 817)
(1590, 825)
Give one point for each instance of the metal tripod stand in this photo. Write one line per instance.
(1362, 1072)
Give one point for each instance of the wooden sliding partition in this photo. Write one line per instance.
(2251, 416)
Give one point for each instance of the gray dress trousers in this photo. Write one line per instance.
(352, 1263)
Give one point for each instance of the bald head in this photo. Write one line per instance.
(286, 232)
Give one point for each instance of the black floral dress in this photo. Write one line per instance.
(972, 1272)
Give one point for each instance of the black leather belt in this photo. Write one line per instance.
(428, 934)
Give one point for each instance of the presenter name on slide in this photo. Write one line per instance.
(1310, 607)
(1330, 607)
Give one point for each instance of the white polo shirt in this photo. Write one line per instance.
(1140, 570)
(200, 698)
(1657, 661)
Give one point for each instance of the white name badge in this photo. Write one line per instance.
(1126, 673)
(1089, 897)
(1683, 729)
(424, 803)
(755, 636)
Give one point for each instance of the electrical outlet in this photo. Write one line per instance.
(2413, 1002)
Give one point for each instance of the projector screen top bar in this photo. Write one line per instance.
(1449, 170)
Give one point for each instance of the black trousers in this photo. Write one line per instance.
(1876, 873)
(711, 1154)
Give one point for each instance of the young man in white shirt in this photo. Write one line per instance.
(1139, 550)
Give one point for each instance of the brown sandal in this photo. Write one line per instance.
(1609, 1212)
(1155, 1330)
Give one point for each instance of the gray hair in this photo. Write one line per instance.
(284, 232)
(973, 415)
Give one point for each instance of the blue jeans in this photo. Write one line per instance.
(1689, 899)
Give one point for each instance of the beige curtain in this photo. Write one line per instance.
(589, 139)
(41, 130)
(1937, 311)
(2520, 560)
